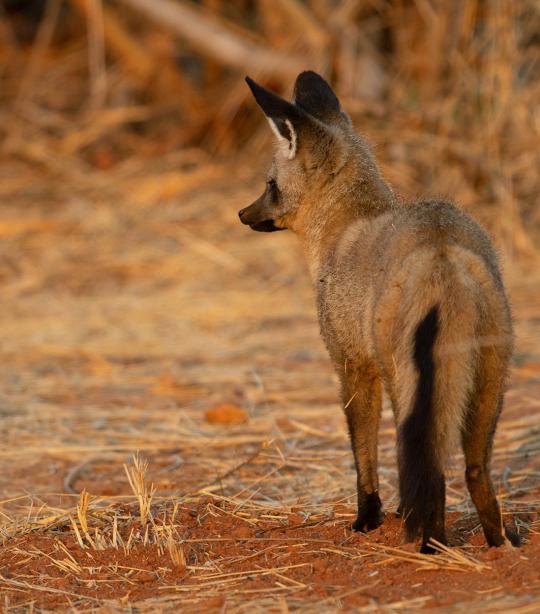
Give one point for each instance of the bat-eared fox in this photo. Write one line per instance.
(409, 298)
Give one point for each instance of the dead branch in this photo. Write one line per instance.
(214, 39)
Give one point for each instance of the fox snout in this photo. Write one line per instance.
(258, 216)
(245, 216)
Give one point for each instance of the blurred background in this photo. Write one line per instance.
(128, 142)
(115, 91)
(139, 314)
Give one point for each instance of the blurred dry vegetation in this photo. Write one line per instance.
(140, 95)
(138, 314)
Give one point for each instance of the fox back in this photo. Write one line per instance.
(410, 299)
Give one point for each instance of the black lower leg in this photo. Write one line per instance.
(433, 525)
(370, 514)
(512, 537)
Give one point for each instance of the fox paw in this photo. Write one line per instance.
(495, 539)
(512, 537)
(370, 515)
(428, 548)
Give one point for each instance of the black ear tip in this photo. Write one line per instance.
(272, 104)
(310, 74)
(254, 87)
(310, 77)
(314, 95)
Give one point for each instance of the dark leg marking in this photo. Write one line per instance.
(370, 514)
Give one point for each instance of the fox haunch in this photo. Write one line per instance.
(410, 299)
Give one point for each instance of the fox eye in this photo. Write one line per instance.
(271, 183)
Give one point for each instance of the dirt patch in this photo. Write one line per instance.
(213, 552)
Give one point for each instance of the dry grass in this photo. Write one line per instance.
(133, 302)
(115, 526)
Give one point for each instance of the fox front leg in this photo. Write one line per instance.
(362, 402)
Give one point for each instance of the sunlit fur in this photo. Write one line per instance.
(395, 281)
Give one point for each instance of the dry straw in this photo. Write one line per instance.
(136, 476)
(132, 300)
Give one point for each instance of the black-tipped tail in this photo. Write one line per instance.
(421, 479)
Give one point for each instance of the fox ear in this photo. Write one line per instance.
(313, 94)
(283, 117)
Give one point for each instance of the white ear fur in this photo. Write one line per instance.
(288, 147)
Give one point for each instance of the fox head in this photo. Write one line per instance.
(318, 157)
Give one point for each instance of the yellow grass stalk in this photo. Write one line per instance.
(136, 475)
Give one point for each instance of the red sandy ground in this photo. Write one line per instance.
(234, 546)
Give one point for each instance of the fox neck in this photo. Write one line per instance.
(330, 217)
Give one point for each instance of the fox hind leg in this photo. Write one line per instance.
(362, 400)
(477, 438)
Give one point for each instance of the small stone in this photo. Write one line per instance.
(226, 414)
